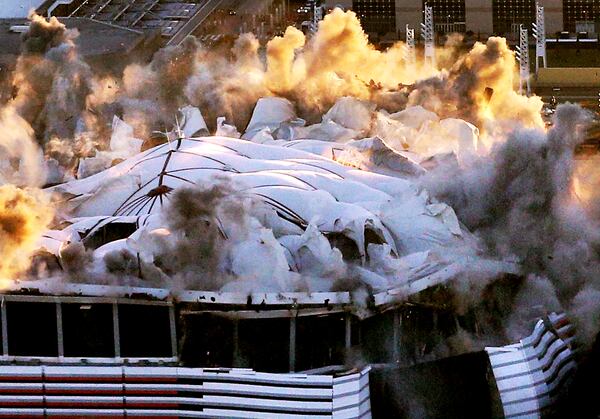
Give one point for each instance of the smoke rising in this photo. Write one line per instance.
(193, 249)
(25, 211)
(70, 108)
(188, 253)
(151, 94)
(463, 91)
(24, 215)
(519, 201)
(51, 84)
(21, 160)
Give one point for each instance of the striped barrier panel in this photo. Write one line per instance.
(530, 374)
(351, 397)
(171, 392)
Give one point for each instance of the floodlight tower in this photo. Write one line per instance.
(523, 57)
(410, 52)
(428, 35)
(317, 16)
(539, 33)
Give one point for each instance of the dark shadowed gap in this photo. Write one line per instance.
(320, 341)
(206, 340)
(31, 329)
(88, 330)
(145, 331)
(264, 344)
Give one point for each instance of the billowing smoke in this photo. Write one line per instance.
(152, 93)
(519, 201)
(194, 248)
(211, 239)
(70, 108)
(480, 88)
(338, 61)
(52, 83)
(25, 211)
(188, 252)
(21, 160)
(228, 86)
(219, 85)
(24, 215)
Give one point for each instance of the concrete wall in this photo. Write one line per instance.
(479, 16)
(553, 9)
(408, 12)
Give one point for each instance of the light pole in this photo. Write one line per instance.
(428, 35)
(523, 57)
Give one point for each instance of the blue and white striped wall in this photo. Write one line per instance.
(530, 373)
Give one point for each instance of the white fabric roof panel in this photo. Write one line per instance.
(362, 189)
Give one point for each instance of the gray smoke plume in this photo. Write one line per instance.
(519, 201)
(194, 252)
(51, 85)
(70, 107)
(152, 93)
(229, 85)
(191, 217)
(190, 255)
(122, 268)
(76, 260)
(52, 81)
(220, 84)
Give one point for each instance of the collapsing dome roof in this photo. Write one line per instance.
(267, 217)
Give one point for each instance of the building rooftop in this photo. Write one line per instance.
(170, 17)
(95, 38)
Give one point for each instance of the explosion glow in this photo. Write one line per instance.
(24, 215)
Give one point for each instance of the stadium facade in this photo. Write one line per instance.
(479, 16)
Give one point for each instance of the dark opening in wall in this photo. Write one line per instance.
(320, 341)
(88, 330)
(144, 331)
(108, 233)
(207, 341)
(417, 333)
(376, 336)
(447, 324)
(31, 329)
(355, 337)
(264, 344)
(457, 387)
(345, 244)
(420, 330)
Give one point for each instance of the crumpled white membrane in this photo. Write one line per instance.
(351, 176)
